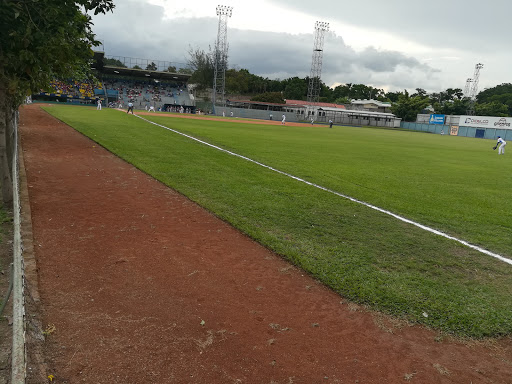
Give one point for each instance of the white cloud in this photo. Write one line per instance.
(393, 45)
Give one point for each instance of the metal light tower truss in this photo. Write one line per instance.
(221, 55)
(476, 76)
(316, 64)
(468, 87)
(474, 90)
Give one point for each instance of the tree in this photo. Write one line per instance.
(41, 39)
(494, 108)
(237, 81)
(419, 92)
(408, 107)
(452, 107)
(342, 100)
(201, 63)
(171, 68)
(114, 63)
(270, 97)
(501, 94)
(186, 71)
(393, 96)
(136, 67)
(151, 67)
(296, 89)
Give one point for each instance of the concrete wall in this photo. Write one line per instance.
(485, 133)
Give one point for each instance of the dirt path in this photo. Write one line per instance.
(143, 286)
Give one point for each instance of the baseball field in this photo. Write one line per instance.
(291, 198)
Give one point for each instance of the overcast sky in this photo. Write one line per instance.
(394, 44)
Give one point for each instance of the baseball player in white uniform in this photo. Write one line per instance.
(283, 122)
(501, 143)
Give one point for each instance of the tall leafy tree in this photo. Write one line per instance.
(114, 63)
(40, 40)
(151, 67)
(501, 94)
(202, 65)
(270, 97)
(407, 107)
(296, 89)
(493, 108)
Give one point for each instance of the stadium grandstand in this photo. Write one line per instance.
(123, 80)
(164, 86)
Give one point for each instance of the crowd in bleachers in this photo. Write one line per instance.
(118, 91)
(87, 87)
(73, 87)
(146, 93)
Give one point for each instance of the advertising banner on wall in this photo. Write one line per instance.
(454, 130)
(486, 122)
(436, 119)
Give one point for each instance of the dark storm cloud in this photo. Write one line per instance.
(140, 30)
(482, 26)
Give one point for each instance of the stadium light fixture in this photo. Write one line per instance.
(224, 10)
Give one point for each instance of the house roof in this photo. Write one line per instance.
(376, 102)
(305, 104)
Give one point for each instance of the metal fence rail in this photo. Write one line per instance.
(18, 358)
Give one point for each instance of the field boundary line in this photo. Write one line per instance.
(382, 210)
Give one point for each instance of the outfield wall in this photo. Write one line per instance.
(455, 130)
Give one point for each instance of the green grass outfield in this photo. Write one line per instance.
(455, 184)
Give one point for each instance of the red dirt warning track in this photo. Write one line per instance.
(144, 286)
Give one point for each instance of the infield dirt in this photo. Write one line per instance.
(138, 284)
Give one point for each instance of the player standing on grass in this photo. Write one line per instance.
(283, 122)
(501, 143)
(130, 107)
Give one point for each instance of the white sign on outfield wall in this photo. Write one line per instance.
(486, 122)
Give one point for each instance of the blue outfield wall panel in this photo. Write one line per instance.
(489, 133)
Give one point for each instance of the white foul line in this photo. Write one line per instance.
(401, 218)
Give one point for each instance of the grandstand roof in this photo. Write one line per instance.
(178, 77)
(359, 112)
(305, 104)
(263, 103)
(371, 101)
(160, 75)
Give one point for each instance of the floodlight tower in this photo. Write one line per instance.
(474, 89)
(468, 87)
(476, 77)
(316, 63)
(221, 55)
